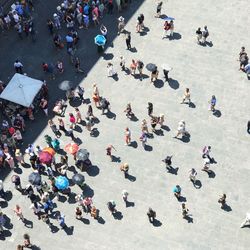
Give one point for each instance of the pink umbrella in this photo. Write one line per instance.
(45, 157)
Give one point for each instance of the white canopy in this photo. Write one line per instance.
(21, 90)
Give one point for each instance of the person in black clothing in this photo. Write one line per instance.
(248, 127)
(168, 162)
(151, 215)
(199, 35)
(128, 40)
(110, 7)
(104, 105)
(165, 72)
(150, 108)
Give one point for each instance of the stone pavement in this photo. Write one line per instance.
(206, 71)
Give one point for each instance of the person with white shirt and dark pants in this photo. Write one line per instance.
(18, 67)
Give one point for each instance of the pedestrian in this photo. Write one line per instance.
(158, 9)
(111, 206)
(104, 31)
(186, 96)
(36, 208)
(144, 127)
(222, 200)
(18, 67)
(205, 35)
(128, 40)
(94, 212)
(124, 168)
(2, 221)
(111, 71)
(199, 35)
(44, 106)
(122, 63)
(184, 210)
(212, 103)
(19, 157)
(18, 137)
(104, 105)
(90, 112)
(87, 204)
(154, 75)
(89, 124)
(177, 191)
(206, 165)
(125, 196)
(166, 28)
(248, 127)
(133, 66)
(78, 116)
(128, 111)
(61, 125)
(206, 153)
(246, 221)
(54, 128)
(19, 213)
(143, 139)
(140, 66)
(57, 22)
(96, 96)
(171, 29)
(45, 218)
(2, 192)
(9, 159)
(121, 25)
(153, 123)
(50, 26)
(140, 24)
(181, 130)
(109, 151)
(80, 92)
(127, 136)
(192, 175)
(161, 120)
(71, 133)
(17, 182)
(168, 162)
(151, 215)
(26, 241)
(72, 120)
(150, 108)
(77, 63)
(60, 67)
(78, 213)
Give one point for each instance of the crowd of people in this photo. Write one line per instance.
(44, 191)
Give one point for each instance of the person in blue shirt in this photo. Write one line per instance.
(177, 191)
(212, 103)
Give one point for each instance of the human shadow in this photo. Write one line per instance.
(117, 215)
(148, 148)
(18, 170)
(158, 83)
(134, 118)
(35, 247)
(75, 102)
(86, 101)
(226, 208)
(71, 198)
(68, 230)
(172, 170)
(189, 219)
(130, 204)
(186, 138)
(61, 152)
(197, 184)
(211, 174)
(93, 171)
(8, 195)
(78, 129)
(85, 221)
(192, 105)
(133, 50)
(101, 220)
(217, 113)
(111, 115)
(28, 223)
(162, 16)
(176, 36)
(95, 132)
(54, 229)
(127, 71)
(174, 84)
(145, 31)
(3, 204)
(108, 56)
(88, 191)
(7, 224)
(62, 198)
(133, 144)
(159, 132)
(182, 199)
(165, 127)
(209, 44)
(5, 234)
(156, 223)
(116, 159)
(115, 77)
(130, 177)
(78, 141)
(96, 120)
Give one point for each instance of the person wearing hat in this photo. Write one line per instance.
(124, 168)
(19, 156)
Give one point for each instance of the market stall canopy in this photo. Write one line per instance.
(21, 90)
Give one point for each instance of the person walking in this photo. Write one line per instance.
(199, 35)
(184, 210)
(78, 115)
(19, 157)
(122, 63)
(222, 200)
(44, 106)
(54, 128)
(2, 192)
(133, 66)
(125, 196)
(18, 67)
(192, 175)
(72, 120)
(80, 92)
(168, 162)
(143, 139)
(151, 215)
(140, 66)
(78, 213)
(71, 133)
(144, 127)
(61, 125)
(205, 35)
(17, 182)
(154, 75)
(61, 220)
(186, 96)
(19, 213)
(158, 9)
(109, 151)
(248, 127)
(177, 192)
(150, 108)
(96, 96)
(26, 241)
(181, 130)
(128, 40)
(77, 64)
(94, 212)
(171, 29)
(111, 206)
(125, 168)
(127, 136)
(166, 28)
(212, 103)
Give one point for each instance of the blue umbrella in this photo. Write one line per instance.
(100, 40)
(168, 18)
(62, 182)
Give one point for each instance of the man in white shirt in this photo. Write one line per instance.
(18, 67)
